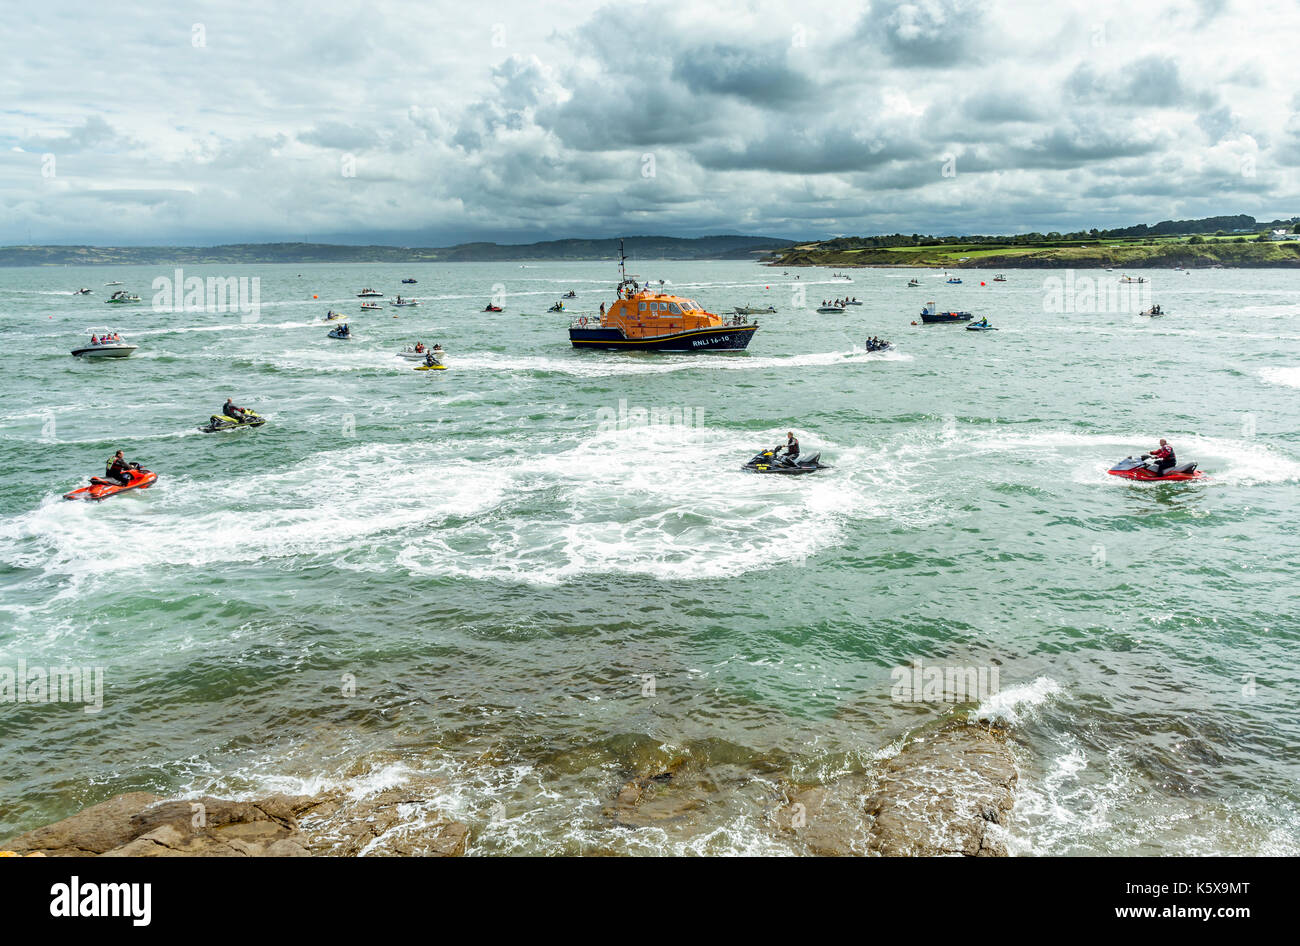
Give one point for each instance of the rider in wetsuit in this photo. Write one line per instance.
(231, 411)
(791, 446)
(117, 469)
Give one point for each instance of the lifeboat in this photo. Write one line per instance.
(642, 319)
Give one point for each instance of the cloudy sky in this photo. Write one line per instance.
(516, 120)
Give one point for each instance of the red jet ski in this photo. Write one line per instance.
(1137, 468)
(100, 488)
(493, 308)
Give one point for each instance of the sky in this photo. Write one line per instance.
(428, 124)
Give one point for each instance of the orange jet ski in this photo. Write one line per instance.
(101, 488)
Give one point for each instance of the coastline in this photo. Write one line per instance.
(947, 791)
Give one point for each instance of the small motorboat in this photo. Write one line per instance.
(371, 307)
(418, 352)
(999, 278)
(753, 310)
(114, 346)
(830, 309)
(121, 296)
(401, 303)
(409, 282)
(841, 277)
(343, 333)
(913, 284)
(81, 292)
(221, 422)
(115, 283)
(1140, 279)
(930, 316)
(101, 488)
(953, 281)
(370, 293)
(981, 326)
(492, 308)
(1141, 468)
(852, 302)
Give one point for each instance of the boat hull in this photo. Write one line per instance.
(105, 351)
(946, 317)
(718, 338)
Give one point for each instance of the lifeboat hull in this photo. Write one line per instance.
(716, 338)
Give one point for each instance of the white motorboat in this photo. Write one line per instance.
(368, 293)
(410, 354)
(117, 347)
(403, 303)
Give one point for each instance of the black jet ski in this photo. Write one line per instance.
(768, 461)
(222, 422)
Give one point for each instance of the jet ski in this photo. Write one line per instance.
(332, 316)
(340, 334)
(558, 307)
(408, 281)
(438, 367)
(1142, 468)
(222, 422)
(769, 462)
(100, 488)
(492, 308)
(981, 326)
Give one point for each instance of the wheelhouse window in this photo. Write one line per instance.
(673, 307)
(641, 306)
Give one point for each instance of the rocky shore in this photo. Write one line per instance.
(948, 791)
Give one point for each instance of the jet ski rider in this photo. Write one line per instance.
(231, 411)
(1163, 457)
(791, 446)
(117, 469)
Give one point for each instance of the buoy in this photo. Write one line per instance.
(981, 282)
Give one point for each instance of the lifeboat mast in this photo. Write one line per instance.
(624, 279)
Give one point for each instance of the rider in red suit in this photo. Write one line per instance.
(1163, 456)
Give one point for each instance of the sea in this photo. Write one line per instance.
(524, 581)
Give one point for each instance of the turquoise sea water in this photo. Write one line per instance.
(537, 601)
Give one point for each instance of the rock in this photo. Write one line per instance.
(95, 830)
(947, 792)
(143, 825)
